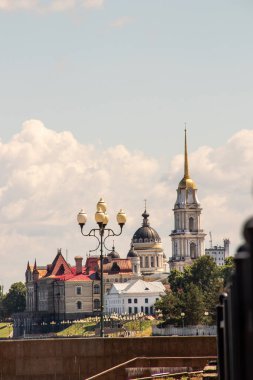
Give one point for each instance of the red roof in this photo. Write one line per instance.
(62, 271)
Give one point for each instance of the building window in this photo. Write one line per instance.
(191, 224)
(78, 290)
(129, 310)
(146, 300)
(142, 309)
(96, 289)
(146, 262)
(193, 252)
(157, 299)
(146, 310)
(152, 262)
(129, 300)
(79, 305)
(135, 300)
(96, 304)
(141, 262)
(135, 310)
(157, 261)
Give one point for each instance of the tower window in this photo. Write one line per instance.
(79, 305)
(193, 251)
(191, 224)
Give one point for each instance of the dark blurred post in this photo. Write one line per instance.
(235, 317)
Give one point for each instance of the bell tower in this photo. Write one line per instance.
(187, 237)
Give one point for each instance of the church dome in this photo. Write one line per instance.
(187, 183)
(146, 234)
(132, 252)
(113, 254)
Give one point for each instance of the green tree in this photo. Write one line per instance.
(227, 270)
(195, 291)
(170, 306)
(193, 301)
(204, 272)
(15, 300)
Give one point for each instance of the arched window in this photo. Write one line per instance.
(79, 305)
(96, 304)
(96, 289)
(191, 224)
(193, 251)
(146, 262)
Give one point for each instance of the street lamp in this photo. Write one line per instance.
(206, 314)
(182, 316)
(102, 219)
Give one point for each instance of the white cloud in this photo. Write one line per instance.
(47, 177)
(93, 4)
(49, 6)
(10, 5)
(121, 22)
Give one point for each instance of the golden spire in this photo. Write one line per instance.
(186, 182)
(186, 167)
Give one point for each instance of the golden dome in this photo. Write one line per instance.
(187, 183)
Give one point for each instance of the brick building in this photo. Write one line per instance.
(60, 292)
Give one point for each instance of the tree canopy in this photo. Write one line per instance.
(15, 300)
(194, 292)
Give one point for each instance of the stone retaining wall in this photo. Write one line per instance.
(76, 359)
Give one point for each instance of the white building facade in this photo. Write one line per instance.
(219, 253)
(187, 238)
(133, 297)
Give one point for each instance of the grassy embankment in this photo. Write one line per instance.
(5, 330)
(140, 328)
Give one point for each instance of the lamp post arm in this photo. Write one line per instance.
(93, 234)
(110, 233)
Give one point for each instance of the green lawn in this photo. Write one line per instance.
(141, 328)
(82, 328)
(5, 330)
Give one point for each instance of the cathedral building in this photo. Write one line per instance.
(187, 237)
(146, 253)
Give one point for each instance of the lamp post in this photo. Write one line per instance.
(102, 219)
(182, 316)
(206, 314)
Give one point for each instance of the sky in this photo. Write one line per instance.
(94, 96)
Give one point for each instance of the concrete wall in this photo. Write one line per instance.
(76, 359)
